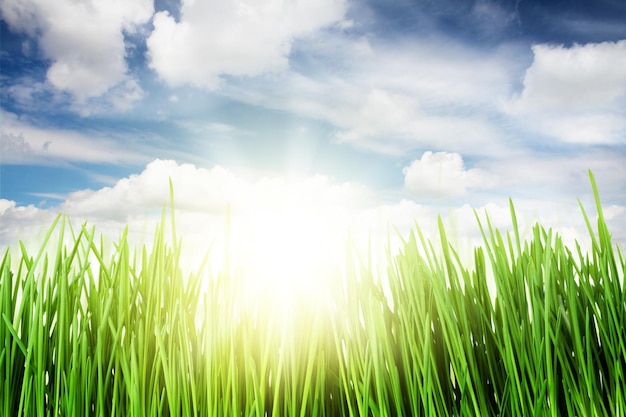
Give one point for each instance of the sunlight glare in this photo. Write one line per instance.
(292, 253)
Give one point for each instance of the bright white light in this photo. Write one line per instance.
(291, 253)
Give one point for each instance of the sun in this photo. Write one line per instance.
(292, 251)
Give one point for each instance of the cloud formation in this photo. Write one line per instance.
(240, 38)
(26, 143)
(575, 94)
(533, 119)
(13, 146)
(84, 41)
(209, 191)
(443, 174)
(202, 199)
(259, 202)
(395, 98)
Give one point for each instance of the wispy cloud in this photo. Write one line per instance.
(395, 98)
(26, 143)
(561, 175)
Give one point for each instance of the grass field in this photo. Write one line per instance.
(91, 330)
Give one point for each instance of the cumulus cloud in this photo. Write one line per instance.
(443, 174)
(202, 199)
(22, 223)
(84, 41)
(575, 94)
(208, 191)
(241, 38)
(580, 77)
(306, 204)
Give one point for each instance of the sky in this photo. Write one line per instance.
(359, 112)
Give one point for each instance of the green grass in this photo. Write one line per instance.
(91, 330)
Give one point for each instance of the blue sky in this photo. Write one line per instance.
(431, 105)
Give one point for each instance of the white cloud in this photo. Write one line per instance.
(443, 174)
(395, 129)
(29, 94)
(580, 77)
(196, 190)
(22, 223)
(124, 95)
(84, 41)
(395, 98)
(202, 197)
(208, 191)
(241, 38)
(26, 143)
(262, 206)
(575, 94)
